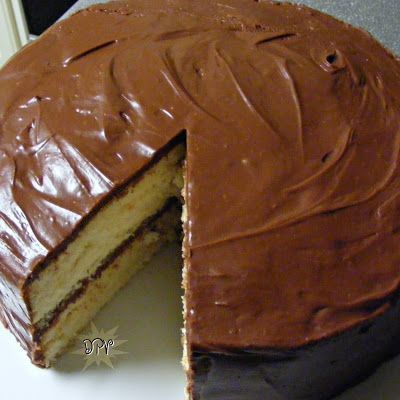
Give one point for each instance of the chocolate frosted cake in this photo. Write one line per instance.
(281, 127)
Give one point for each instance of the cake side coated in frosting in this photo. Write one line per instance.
(293, 133)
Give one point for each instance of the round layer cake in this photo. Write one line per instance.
(288, 124)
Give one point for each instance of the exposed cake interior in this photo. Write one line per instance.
(120, 238)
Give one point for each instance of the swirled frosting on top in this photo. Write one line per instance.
(292, 121)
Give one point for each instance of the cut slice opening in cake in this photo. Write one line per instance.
(122, 236)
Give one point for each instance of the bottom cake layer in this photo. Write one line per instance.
(316, 372)
(82, 305)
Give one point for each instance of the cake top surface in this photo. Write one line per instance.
(292, 125)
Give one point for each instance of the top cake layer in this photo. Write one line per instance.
(293, 131)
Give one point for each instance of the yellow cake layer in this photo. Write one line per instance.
(100, 290)
(110, 227)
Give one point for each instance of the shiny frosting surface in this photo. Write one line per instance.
(292, 122)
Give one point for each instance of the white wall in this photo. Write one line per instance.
(13, 30)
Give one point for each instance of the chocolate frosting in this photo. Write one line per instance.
(292, 121)
(316, 372)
